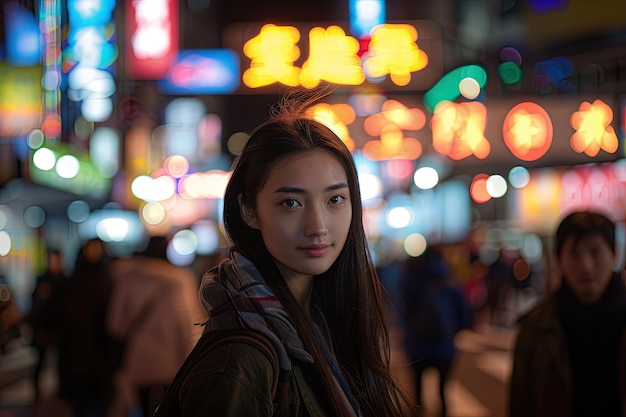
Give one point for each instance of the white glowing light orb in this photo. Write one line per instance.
(112, 229)
(153, 189)
(426, 178)
(415, 244)
(496, 186)
(371, 186)
(5, 243)
(469, 88)
(67, 166)
(399, 217)
(44, 159)
(153, 213)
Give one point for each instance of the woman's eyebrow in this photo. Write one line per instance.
(298, 190)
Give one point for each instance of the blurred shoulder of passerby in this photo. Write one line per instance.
(155, 310)
(41, 314)
(570, 354)
(436, 310)
(84, 344)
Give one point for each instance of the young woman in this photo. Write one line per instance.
(300, 274)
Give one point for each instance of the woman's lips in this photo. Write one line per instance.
(315, 250)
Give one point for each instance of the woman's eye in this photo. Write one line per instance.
(337, 199)
(289, 203)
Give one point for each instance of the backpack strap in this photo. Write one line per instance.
(169, 407)
(262, 343)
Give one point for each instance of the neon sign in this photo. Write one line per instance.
(152, 27)
(389, 57)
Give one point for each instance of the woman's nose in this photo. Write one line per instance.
(315, 223)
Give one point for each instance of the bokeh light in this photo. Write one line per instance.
(34, 216)
(426, 178)
(153, 213)
(478, 189)
(78, 211)
(44, 159)
(496, 186)
(67, 166)
(519, 177)
(399, 217)
(415, 244)
(5, 243)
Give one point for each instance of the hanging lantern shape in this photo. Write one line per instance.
(527, 131)
(592, 123)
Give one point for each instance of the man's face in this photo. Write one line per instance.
(587, 267)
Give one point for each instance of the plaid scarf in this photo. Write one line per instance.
(235, 296)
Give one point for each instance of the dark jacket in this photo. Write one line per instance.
(235, 378)
(541, 381)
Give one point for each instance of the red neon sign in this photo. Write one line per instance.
(152, 28)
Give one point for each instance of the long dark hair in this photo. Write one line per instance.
(350, 293)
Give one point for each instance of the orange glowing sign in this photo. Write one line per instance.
(592, 123)
(389, 124)
(336, 117)
(527, 131)
(458, 130)
(332, 57)
(393, 51)
(273, 52)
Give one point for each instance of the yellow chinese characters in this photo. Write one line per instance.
(272, 53)
(333, 57)
(458, 130)
(393, 51)
(592, 123)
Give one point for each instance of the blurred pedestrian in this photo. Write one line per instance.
(435, 311)
(41, 317)
(153, 310)
(85, 348)
(498, 280)
(570, 354)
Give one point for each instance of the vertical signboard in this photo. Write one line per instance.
(152, 37)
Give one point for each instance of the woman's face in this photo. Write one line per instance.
(303, 213)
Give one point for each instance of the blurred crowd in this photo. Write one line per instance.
(115, 330)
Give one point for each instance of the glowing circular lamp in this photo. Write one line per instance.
(527, 131)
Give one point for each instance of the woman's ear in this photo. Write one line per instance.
(247, 213)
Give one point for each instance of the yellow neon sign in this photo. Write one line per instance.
(333, 56)
(393, 51)
(272, 53)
